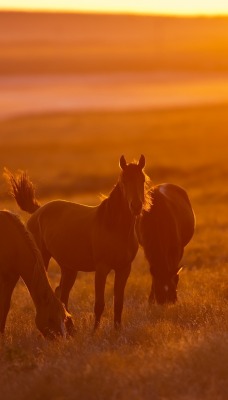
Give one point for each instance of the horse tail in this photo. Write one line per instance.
(22, 190)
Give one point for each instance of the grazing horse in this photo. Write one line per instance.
(164, 231)
(82, 238)
(19, 256)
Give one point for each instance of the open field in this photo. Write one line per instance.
(163, 353)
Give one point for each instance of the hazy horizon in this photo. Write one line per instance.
(164, 7)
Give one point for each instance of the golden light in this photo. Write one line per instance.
(177, 7)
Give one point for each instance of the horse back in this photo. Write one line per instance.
(168, 226)
(61, 226)
(61, 215)
(179, 210)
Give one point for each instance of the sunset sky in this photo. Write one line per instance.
(203, 7)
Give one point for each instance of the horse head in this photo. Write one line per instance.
(133, 182)
(52, 321)
(164, 291)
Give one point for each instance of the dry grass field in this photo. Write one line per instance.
(170, 352)
(164, 352)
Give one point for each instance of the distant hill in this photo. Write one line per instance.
(72, 43)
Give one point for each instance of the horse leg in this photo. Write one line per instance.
(41, 246)
(58, 289)
(151, 299)
(6, 289)
(121, 276)
(63, 290)
(100, 280)
(46, 257)
(67, 281)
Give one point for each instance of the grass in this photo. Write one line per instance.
(163, 352)
(187, 146)
(178, 352)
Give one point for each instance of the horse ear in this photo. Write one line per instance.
(122, 163)
(142, 162)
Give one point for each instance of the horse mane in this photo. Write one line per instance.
(109, 208)
(39, 278)
(148, 193)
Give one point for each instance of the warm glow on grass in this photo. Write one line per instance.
(176, 352)
(178, 7)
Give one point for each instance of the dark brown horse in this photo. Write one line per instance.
(19, 256)
(83, 238)
(164, 231)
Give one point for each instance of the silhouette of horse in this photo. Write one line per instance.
(82, 238)
(164, 231)
(19, 256)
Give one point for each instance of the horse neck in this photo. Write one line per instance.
(117, 210)
(37, 283)
(31, 266)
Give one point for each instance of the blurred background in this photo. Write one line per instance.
(79, 89)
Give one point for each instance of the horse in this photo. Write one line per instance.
(89, 238)
(164, 231)
(19, 256)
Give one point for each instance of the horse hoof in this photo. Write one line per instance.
(117, 326)
(71, 330)
(151, 301)
(96, 326)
